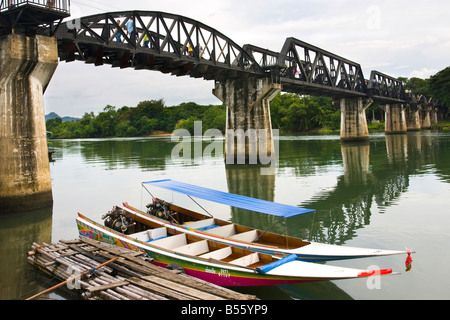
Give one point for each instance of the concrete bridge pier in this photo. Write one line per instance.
(413, 122)
(248, 135)
(353, 119)
(26, 67)
(434, 116)
(426, 118)
(395, 118)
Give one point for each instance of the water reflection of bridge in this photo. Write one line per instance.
(374, 176)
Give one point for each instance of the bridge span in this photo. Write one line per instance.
(33, 39)
(181, 46)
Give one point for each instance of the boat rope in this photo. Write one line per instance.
(147, 190)
(312, 227)
(267, 230)
(200, 206)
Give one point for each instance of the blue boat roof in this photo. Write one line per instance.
(230, 199)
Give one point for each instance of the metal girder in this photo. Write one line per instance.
(159, 41)
(386, 89)
(182, 46)
(26, 16)
(308, 66)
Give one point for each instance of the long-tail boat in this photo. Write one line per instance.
(211, 228)
(213, 261)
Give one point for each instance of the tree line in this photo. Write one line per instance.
(436, 87)
(142, 120)
(289, 113)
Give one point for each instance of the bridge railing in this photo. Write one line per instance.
(318, 69)
(156, 33)
(386, 86)
(57, 5)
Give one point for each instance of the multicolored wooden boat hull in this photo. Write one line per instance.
(221, 273)
(308, 251)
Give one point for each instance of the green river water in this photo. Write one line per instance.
(390, 193)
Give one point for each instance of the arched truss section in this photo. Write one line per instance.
(314, 70)
(383, 87)
(160, 41)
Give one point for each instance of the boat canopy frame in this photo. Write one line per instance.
(230, 199)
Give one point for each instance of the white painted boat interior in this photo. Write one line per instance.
(149, 235)
(218, 254)
(171, 242)
(179, 244)
(246, 260)
(200, 223)
(194, 249)
(223, 231)
(248, 236)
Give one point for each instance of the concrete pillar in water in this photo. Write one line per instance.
(353, 119)
(434, 115)
(395, 118)
(413, 122)
(26, 67)
(426, 119)
(248, 123)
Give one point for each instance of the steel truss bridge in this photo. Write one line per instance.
(181, 46)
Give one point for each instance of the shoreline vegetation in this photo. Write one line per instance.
(290, 113)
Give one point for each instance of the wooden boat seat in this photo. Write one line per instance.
(157, 233)
(171, 242)
(150, 235)
(194, 248)
(141, 236)
(246, 260)
(218, 254)
(199, 224)
(248, 236)
(223, 231)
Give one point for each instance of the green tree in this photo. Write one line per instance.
(121, 128)
(439, 85)
(187, 124)
(51, 124)
(146, 126)
(418, 86)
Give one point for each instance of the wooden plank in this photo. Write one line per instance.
(138, 278)
(182, 288)
(160, 290)
(107, 286)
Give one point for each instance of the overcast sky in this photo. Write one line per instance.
(402, 38)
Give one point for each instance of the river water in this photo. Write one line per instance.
(390, 193)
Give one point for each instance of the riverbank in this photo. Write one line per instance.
(380, 127)
(160, 134)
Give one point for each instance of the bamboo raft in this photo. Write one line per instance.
(106, 272)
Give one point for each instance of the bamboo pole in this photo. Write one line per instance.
(72, 278)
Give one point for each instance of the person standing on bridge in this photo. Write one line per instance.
(50, 4)
(130, 28)
(146, 40)
(119, 32)
(11, 4)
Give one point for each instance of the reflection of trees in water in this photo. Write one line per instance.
(375, 175)
(17, 232)
(148, 153)
(246, 180)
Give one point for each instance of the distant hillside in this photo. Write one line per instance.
(53, 115)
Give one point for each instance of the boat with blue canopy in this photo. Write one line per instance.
(211, 228)
(213, 261)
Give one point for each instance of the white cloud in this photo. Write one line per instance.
(423, 73)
